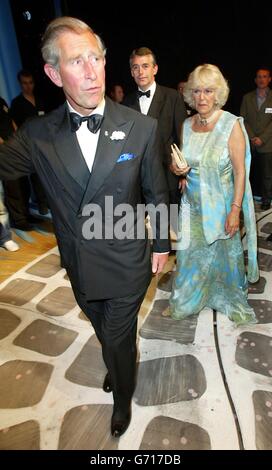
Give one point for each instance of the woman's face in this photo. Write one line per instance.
(205, 99)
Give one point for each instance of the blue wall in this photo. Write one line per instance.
(10, 61)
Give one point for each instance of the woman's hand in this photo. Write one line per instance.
(179, 166)
(179, 171)
(232, 223)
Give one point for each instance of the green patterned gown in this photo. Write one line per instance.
(210, 264)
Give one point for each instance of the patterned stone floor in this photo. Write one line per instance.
(202, 383)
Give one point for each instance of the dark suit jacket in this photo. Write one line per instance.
(168, 108)
(258, 122)
(100, 268)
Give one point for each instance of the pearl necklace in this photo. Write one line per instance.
(205, 121)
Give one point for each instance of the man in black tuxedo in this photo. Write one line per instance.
(162, 103)
(95, 159)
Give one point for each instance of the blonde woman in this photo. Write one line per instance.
(210, 265)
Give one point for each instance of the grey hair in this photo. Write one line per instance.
(58, 26)
(142, 51)
(206, 75)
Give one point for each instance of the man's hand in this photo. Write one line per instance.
(257, 141)
(158, 262)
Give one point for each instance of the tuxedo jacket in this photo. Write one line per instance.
(168, 108)
(258, 122)
(126, 166)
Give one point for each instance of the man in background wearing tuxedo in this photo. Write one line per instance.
(86, 152)
(162, 103)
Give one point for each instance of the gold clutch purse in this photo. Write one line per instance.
(178, 157)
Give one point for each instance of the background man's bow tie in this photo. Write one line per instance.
(93, 122)
(143, 93)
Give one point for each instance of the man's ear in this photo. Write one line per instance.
(156, 68)
(53, 74)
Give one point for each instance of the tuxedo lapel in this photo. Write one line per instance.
(108, 150)
(156, 104)
(68, 150)
(135, 103)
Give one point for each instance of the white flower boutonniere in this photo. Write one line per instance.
(117, 135)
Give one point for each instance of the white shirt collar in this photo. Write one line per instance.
(152, 89)
(145, 102)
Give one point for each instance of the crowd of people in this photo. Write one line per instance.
(92, 148)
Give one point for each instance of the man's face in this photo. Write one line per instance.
(27, 85)
(81, 71)
(143, 71)
(180, 87)
(118, 94)
(262, 79)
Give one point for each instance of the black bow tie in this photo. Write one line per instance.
(143, 93)
(93, 122)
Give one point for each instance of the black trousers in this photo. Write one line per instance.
(17, 194)
(39, 192)
(115, 324)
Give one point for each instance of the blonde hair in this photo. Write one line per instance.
(206, 75)
(63, 24)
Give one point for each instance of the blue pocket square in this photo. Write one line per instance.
(126, 156)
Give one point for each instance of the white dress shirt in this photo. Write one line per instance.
(144, 101)
(88, 140)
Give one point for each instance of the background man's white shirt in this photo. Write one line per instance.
(144, 101)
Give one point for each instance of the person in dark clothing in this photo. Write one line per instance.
(256, 110)
(7, 128)
(24, 106)
(16, 192)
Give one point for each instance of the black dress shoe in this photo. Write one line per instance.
(120, 423)
(269, 239)
(107, 386)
